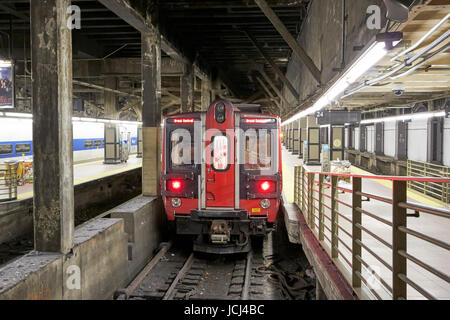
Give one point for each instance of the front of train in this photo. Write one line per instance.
(221, 176)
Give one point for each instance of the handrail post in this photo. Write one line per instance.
(296, 188)
(356, 235)
(399, 189)
(321, 218)
(334, 218)
(310, 200)
(303, 190)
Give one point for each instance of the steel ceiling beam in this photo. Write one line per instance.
(287, 36)
(275, 68)
(126, 12)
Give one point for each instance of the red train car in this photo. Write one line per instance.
(221, 176)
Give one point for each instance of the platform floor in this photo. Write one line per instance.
(436, 227)
(88, 171)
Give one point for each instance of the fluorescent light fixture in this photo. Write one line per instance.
(18, 115)
(405, 117)
(375, 52)
(5, 63)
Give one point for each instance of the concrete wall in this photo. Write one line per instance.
(16, 217)
(417, 140)
(99, 258)
(446, 156)
(109, 253)
(389, 138)
(322, 37)
(370, 139)
(144, 224)
(356, 138)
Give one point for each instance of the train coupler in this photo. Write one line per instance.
(220, 232)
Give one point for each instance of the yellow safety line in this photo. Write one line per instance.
(411, 193)
(27, 195)
(108, 173)
(86, 163)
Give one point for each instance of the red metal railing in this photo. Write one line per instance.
(364, 232)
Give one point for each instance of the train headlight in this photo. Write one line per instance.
(265, 204)
(176, 202)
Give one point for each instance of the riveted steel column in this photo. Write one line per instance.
(206, 93)
(51, 51)
(151, 112)
(187, 89)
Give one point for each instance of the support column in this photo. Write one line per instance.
(51, 50)
(187, 89)
(313, 138)
(206, 93)
(303, 135)
(216, 87)
(295, 138)
(151, 112)
(110, 99)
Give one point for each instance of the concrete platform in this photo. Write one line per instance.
(95, 270)
(88, 171)
(427, 224)
(108, 253)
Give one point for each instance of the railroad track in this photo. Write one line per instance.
(176, 273)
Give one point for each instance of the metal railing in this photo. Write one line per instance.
(435, 190)
(8, 182)
(339, 215)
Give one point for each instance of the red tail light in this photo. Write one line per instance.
(175, 185)
(266, 186)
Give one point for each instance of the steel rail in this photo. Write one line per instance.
(248, 270)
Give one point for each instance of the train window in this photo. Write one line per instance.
(6, 149)
(23, 148)
(88, 144)
(258, 150)
(182, 149)
(220, 153)
(97, 143)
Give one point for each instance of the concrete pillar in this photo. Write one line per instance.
(303, 134)
(51, 51)
(313, 138)
(206, 94)
(110, 99)
(187, 89)
(295, 138)
(151, 112)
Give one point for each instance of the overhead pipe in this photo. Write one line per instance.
(421, 40)
(408, 62)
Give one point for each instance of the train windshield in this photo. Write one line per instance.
(258, 150)
(181, 149)
(221, 153)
